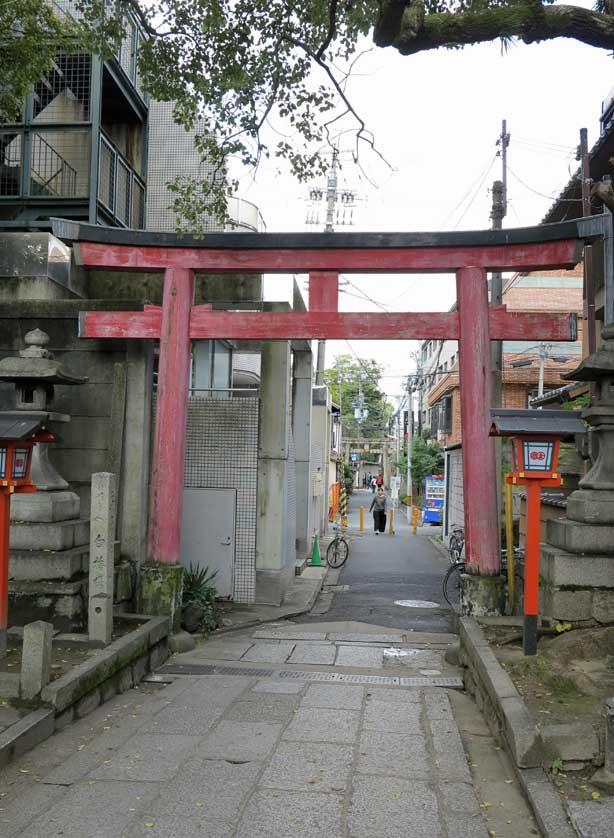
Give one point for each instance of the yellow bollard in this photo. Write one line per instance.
(509, 544)
(391, 527)
(415, 520)
(362, 519)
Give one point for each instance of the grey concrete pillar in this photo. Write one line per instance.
(274, 565)
(133, 506)
(35, 658)
(301, 429)
(102, 557)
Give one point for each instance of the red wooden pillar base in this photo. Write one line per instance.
(5, 516)
(479, 482)
(531, 568)
(171, 418)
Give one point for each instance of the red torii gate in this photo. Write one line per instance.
(469, 255)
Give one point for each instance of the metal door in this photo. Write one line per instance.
(208, 534)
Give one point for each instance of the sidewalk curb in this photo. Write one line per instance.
(498, 698)
(547, 806)
(439, 545)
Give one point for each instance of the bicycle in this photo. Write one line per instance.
(338, 550)
(453, 583)
(456, 544)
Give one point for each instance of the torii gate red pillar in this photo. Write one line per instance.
(165, 503)
(478, 448)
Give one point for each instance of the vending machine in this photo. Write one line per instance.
(433, 499)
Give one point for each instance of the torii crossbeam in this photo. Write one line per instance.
(323, 255)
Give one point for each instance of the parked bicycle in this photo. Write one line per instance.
(456, 544)
(339, 548)
(453, 582)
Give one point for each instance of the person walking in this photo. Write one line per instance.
(380, 480)
(379, 505)
(373, 485)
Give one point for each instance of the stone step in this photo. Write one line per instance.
(58, 535)
(45, 507)
(35, 565)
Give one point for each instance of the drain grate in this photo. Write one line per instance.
(304, 675)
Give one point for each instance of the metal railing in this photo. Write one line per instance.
(50, 173)
(120, 190)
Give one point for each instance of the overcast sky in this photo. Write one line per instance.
(436, 118)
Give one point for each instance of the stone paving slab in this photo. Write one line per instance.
(227, 650)
(394, 696)
(207, 788)
(313, 653)
(15, 816)
(279, 814)
(323, 726)
(369, 658)
(297, 766)
(288, 634)
(180, 826)
(241, 740)
(184, 720)
(269, 685)
(219, 690)
(279, 708)
(390, 718)
(392, 755)
(93, 810)
(389, 807)
(339, 696)
(592, 819)
(147, 757)
(269, 652)
(359, 637)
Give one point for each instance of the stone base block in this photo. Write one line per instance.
(271, 585)
(603, 606)
(577, 537)
(567, 606)
(45, 507)
(591, 507)
(63, 604)
(571, 742)
(561, 568)
(35, 565)
(481, 595)
(123, 582)
(60, 535)
(160, 591)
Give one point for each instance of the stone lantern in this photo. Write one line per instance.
(48, 538)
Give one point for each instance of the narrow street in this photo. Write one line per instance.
(383, 570)
(348, 724)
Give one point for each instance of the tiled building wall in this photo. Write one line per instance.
(291, 501)
(222, 453)
(455, 506)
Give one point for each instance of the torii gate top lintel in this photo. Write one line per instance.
(470, 255)
(547, 246)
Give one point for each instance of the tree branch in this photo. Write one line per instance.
(410, 30)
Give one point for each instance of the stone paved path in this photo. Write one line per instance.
(273, 756)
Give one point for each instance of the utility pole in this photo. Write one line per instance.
(410, 441)
(498, 213)
(589, 275)
(542, 363)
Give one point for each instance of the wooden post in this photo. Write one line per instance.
(509, 545)
(391, 525)
(171, 418)
(361, 513)
(481, 524)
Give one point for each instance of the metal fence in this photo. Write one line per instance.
(120, 190)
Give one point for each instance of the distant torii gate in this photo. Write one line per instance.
(323, 255)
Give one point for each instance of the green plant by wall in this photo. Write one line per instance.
(199, 598)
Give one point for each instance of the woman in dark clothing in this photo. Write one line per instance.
(379, 506)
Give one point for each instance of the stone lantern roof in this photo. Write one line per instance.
(35, 364)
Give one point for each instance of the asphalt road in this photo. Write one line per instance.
(384, 569)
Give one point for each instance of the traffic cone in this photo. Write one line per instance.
(316, 559)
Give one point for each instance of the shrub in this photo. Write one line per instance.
(199, 596)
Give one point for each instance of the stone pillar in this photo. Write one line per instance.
(578, 560)
(604, 777)
(273, 568)
(102, 557)
(35, 659)
(301, 429)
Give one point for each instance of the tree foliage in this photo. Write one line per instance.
(269, 77)
(346, 380)
(426, 459)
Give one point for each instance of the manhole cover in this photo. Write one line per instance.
(417, 603)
